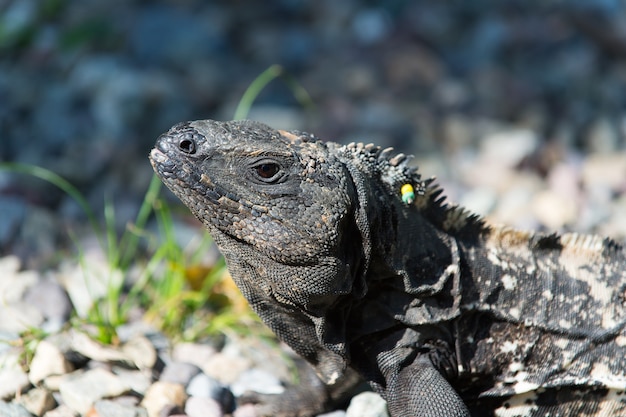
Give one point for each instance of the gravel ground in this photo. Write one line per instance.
(518, 108)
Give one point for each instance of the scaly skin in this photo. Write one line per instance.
(441, 313)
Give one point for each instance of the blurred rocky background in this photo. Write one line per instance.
(479, 91)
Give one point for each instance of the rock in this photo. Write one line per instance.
(202, 407)
(51, 300)
(38, 401)
(179, 373)
(225, 368)
(508, 147)
(138, 381)
(553, 210)
(61, 411)
(140, 351)
(80, 391)
(108, 408)
(257, 380)
(48, 360)
(605, 170)
(246, 410)
(13, 379)
(204, 386)
(88, 281)
(19, 317)
(194, 353)
(163, 395)
(86, 346)
(13, 410)
(367, 404)
(14, 283)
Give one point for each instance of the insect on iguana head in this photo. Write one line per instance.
(275, 201)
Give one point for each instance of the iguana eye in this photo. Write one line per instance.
(267, 170)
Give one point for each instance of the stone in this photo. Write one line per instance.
(553, 210)
(179, 373)
(194, 353)
(508, 147)
(257, 380)
(87, 281)
(204, 386)
(109, 408)
(13, 410)
(225, 368)
(86, 346)
(19, 317)
(605, 170)
(13, 380)
(38, 401)
(138, 381)
(202, 407)
(163, 395)
(50, 299)
(48, 360)
(367, 404)
(246, 410)
(80, 391)
(14, 283)
(140, 351)
(61, 411)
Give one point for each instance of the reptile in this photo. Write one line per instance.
(363, 267)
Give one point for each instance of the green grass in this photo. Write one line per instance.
(182, 296)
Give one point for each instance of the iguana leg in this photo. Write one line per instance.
(420, 390)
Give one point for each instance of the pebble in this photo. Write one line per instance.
(13, 410)
(13, 379)
(38, 401)
(553, 210)
(257, 380)
(162, 395)
(605, 170)
(108, 408)
(246, 410)
(87, 281)
(140, 352)
(81, 390)
(193, 353)
(48, 360)
(204, 386)
(61, 411)
(225, 368)
(137, 381)
(202, 407)
(14, 283)
(367, 404)
(52, 302)
(179, 373)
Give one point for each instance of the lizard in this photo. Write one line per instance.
(362, 266)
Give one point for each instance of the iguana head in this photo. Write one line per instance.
(276, 202)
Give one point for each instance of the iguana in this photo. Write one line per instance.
(359, 264)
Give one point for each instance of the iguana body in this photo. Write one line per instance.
(441, 313)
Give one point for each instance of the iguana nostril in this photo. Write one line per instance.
(187, 145)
